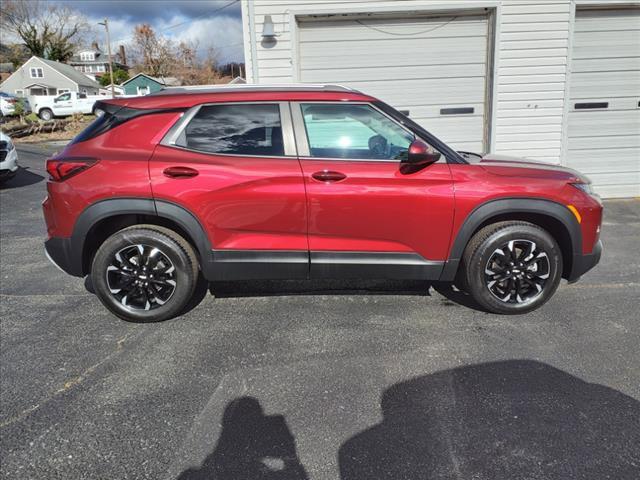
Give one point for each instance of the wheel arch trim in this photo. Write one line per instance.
(112, 207)
(501, 206)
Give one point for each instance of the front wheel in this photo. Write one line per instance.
(512, 267)
(45, 114)
(145, 273)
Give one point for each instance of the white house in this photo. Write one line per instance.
(555, 81)
(38, 76)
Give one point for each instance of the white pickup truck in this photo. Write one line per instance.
(47, 107)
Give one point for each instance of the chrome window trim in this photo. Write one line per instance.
(289, 143)
(303, 141)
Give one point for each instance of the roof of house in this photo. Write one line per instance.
(71, 73)
(167, 81)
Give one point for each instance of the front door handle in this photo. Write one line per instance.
(180, 172)
(328, 176)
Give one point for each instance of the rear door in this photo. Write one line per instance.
(369, 214)
(234, 167)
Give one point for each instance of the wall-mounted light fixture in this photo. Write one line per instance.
(268, 29)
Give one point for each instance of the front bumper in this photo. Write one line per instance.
(583, 263)
(9, 166)
(58, 251)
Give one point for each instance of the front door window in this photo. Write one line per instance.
(355, 131)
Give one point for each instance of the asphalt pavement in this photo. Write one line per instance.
(315, 380)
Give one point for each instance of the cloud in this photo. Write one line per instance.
(178, 20)
(150, 11)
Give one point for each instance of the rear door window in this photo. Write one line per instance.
(241, 129)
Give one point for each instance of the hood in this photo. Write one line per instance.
(519, 167)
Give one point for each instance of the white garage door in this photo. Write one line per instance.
(604, 120)
(435, 67)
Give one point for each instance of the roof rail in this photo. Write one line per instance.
(277, 87)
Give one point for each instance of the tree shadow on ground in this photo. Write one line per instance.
(252, 446)
(504, 420)
(23, 178)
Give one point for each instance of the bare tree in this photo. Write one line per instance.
(154, 54)
(48, 30)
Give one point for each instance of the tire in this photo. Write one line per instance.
(45, 114)
(145, 273)
(512, 267)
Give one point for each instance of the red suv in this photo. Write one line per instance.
(303, 182)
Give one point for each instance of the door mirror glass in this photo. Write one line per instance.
(422, 154)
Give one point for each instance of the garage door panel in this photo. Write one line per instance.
(608, 20)
(388, 56)
(607, 65)
(604, 143)
(603, 123)
(420, 64)
(396, 30)
(396, 74)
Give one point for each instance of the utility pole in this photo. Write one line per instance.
(106, 26)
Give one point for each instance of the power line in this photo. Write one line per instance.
(170, 27)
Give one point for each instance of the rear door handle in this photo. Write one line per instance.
(180, 172)
(328, 176)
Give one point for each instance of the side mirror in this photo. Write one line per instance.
(421, 154)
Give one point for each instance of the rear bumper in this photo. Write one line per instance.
(58, 251)
(583, 263)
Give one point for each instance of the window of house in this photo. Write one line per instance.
(19, 93)
(100, 68)
(63, 90)
(87, 56)
(36, 72)
(353, 131)
(88, 68)
(144, 90)
(241, 129)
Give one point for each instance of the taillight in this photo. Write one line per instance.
(60, 169)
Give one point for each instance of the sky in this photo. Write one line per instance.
(211, 23)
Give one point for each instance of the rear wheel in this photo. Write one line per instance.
(45, 114)
(145, 273)
(512, 267)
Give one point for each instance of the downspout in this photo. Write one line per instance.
(252, 41)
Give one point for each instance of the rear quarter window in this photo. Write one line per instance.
(242, 129)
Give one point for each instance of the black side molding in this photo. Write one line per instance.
(379, 265)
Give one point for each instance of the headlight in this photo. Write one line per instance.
(585, 187)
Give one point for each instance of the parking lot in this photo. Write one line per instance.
(318, 380)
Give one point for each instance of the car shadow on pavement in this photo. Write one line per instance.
(269, 288)
(252, 445)
(23, 178)
(502, 420)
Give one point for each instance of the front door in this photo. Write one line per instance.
(234, 167)
(63, 105)
(369, 214)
